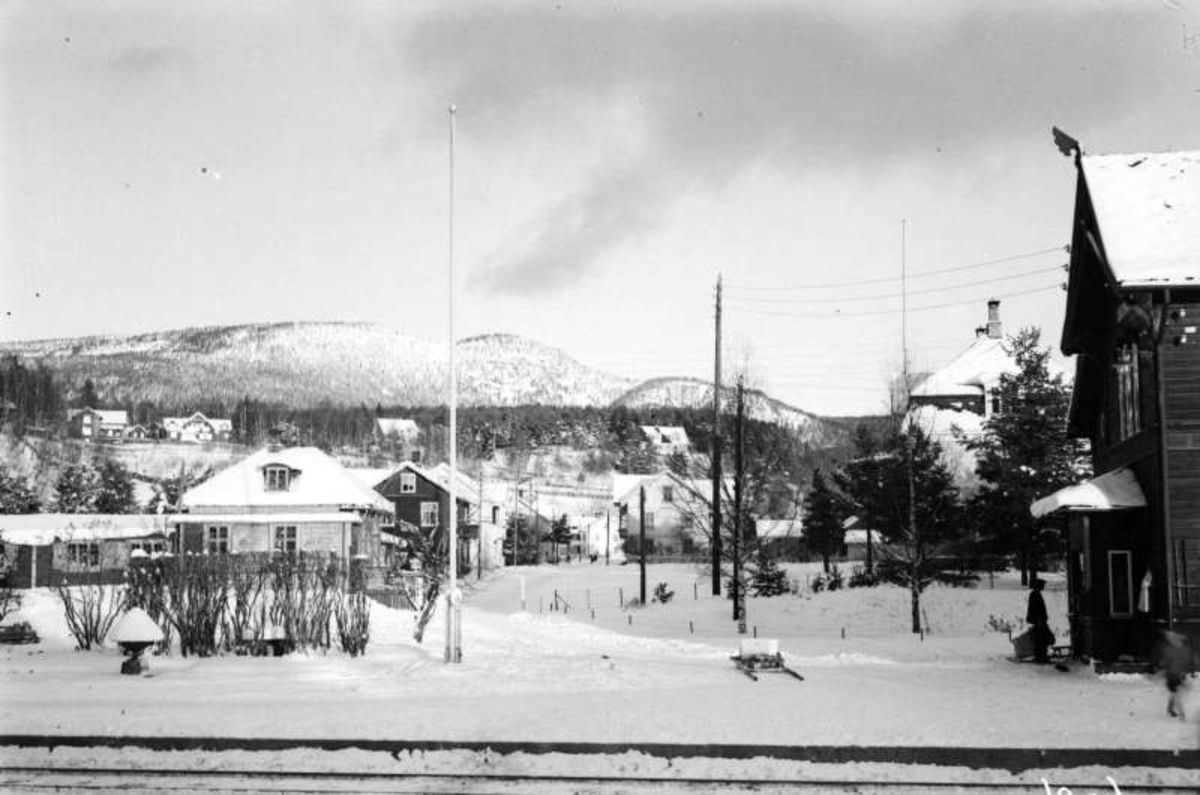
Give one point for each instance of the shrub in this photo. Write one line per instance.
(861, 578)
(835, 579)
(90, 611)
(10, 600)
(1001, 624)
(663, 593)
(354, 623)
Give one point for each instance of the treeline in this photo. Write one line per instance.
(30, 397)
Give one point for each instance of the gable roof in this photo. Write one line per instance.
(665, 434)
(106, 416)
(1147, 207)
(40, 529)
(319, 480)
(971, 372)
(402, 428)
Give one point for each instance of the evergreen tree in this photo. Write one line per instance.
(1024, 451)
(678, 463)
(87, 396)
(114, 489)
(769, 579)
(823, 519)
(75, 489)
(16, 496)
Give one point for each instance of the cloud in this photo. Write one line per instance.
(141, 61)
(720, 89)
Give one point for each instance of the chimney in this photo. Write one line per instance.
(980, 331)
(993, 324)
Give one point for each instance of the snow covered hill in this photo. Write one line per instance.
(694, 393)
(303, 364)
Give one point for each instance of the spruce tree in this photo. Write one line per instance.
(1024, 452)
(114, 489)
(769, 579)
(16, 496)
(822, 519)
(75, 489)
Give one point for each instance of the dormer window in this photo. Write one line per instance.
(277, 477)
(408, 483)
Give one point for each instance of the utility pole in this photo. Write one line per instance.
(739, 612)
(914, 532)
(453, 615)
(607, 542)
(479, 529)
(642, 538)
(716, 452)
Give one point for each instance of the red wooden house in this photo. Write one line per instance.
(1133, 307)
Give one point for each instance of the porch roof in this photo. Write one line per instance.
(1111, 491)
(321, 517)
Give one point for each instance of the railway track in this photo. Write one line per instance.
(167, 780)
(107, 763)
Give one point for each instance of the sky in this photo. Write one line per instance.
(171, 164)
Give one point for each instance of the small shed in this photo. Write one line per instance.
(44, 549)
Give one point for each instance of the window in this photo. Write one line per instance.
(1120, 583)
(1187, 572)
(84, 555)
(429, 514)
(285, 539)
(668, 494)
(408, 483)
(1129, 420)
(218, 541)
(149, 547)
(495, 514)
(276, 478)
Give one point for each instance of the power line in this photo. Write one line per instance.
(943, 288)
(920, 274)
(743, 310)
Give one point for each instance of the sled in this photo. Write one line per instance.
(759, 656)
(1023, 652)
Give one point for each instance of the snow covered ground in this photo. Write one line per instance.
(598, 673)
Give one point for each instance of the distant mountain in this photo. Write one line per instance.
(303, 364)
(695, 393)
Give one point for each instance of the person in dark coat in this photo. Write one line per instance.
(1175, 658)
(1039, 622)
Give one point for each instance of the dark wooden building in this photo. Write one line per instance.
(1133, 305)
(422, 499)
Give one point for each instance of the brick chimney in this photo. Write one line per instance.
(993, 324)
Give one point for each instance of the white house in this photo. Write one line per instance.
(197, 428)
(43, 549)
(672, 507)
(667, 439)
(284, 500)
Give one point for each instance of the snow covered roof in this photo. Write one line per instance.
(106, 416)
(779, 528)
(665, 434)
(402, 428)
(40, 529)
(971, 372)
(274, 517)
(1148, 209)
(1116, 489)
(316, 480)
(372, 476)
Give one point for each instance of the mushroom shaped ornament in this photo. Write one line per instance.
(134, 633)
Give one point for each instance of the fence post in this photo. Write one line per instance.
(621, 597)
(556, 599)
(691, 627)
(695, 592)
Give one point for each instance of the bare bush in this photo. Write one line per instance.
(90, 611)
(354, 623)
(10, 600)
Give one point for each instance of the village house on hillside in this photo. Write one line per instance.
(197, 429)
(672, 507)
(98, 424)
(667, 440)
(284, 500)
(1133, 308)
(400, 436)
(46, 549)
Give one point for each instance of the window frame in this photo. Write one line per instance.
(1113, 555)
(83, 554)
(430, 509)
(408, 482)
(277, 477)
(216, 540)
(288, 535)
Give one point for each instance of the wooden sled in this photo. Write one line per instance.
(758, 656)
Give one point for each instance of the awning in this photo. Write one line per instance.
(1109, 492)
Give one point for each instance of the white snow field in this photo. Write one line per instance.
(597, 673)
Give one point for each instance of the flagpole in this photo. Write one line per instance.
(453, 627)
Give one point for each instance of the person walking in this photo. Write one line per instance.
(1175, 659)
(1038, 621)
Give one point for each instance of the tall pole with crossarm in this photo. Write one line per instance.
(453, 626)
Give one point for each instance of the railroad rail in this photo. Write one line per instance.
(24, 767)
